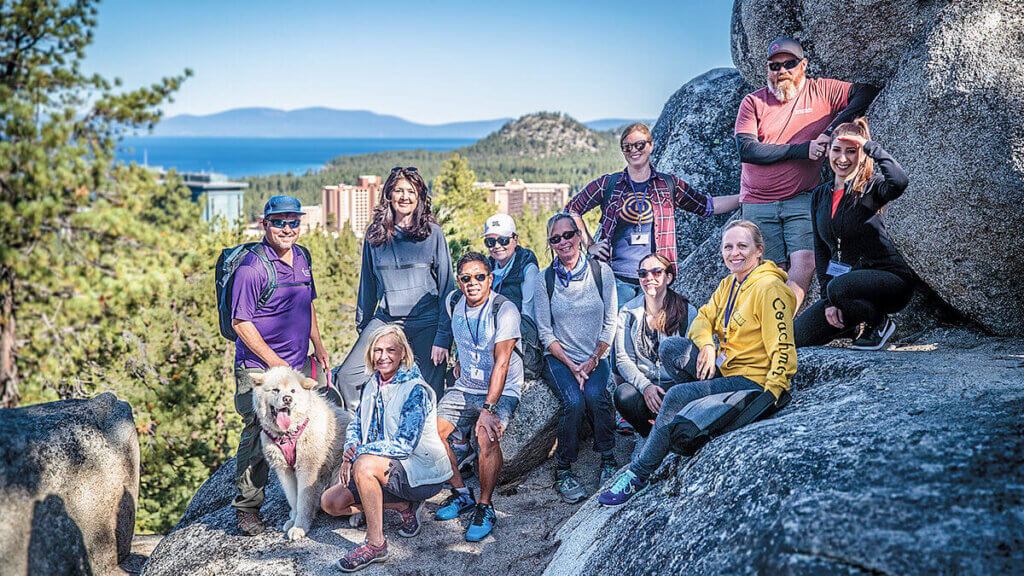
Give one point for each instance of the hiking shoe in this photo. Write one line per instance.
(456, 505)
(624, 488)
(482, 524)
(362, 556)
(356, 520)
(569, 487)
(608, 470)
(249, 523)
(624, 428)
(875, 338)
(410, 520)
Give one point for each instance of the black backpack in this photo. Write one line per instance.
(227, 264)
(531, 353)
(705, 418)
(613, 179)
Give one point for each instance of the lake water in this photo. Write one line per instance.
(238, 157)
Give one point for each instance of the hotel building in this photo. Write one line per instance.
(347, 203)
(515, 196)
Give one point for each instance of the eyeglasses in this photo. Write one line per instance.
(637, 146)
(503, 240)
(399, 168)
(279, 223)
(563, 236)
(654, 272)
(465, 278)
(788, 65)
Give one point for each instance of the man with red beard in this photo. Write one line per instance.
(782, 131)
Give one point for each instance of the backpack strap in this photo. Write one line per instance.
(609, 189)
(500, 301)
(268, 290)
(307, 256)
(451, 300)
(595, 271)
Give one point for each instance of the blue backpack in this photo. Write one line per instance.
(227, 264)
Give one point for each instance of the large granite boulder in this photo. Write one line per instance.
(69, 482)
(899, 462)
(529, 439)
(693, 139)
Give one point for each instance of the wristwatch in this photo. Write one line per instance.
(492, 408)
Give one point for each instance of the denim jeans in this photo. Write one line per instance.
(679, 357)
(593, 401)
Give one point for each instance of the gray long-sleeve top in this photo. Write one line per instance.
(407, 280)
(581, 316)
(631, 364)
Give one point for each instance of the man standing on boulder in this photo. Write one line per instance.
(276, 333)
(782, 131)
(485, 325)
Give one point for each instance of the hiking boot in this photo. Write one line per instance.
(249, 523)
(625, 486)
(569, 487)
(456, 505)
(362, 556)
(875, 338)
(482, 524)
(608, 470)
(410, 525)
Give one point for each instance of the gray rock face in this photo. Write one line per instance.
(693, 140)
(529, 439)
(69, 481)
(900, 462)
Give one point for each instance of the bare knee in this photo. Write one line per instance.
(336, 500)
(444, 428)
(487, 446)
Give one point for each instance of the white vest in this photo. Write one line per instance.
(428, 463)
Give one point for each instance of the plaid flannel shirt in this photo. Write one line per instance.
(664, 203)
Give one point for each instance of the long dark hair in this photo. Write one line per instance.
(673, 318)
(382, 229)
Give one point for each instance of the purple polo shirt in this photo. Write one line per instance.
(286, 319)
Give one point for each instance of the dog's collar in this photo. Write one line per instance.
(286, 442)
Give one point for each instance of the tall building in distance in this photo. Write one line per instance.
(347, 203)
(515, 196)
(219, 197)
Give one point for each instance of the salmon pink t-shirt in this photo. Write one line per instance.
(800, 120)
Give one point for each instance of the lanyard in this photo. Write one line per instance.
(465, 310)
(729, 304)
(639, 202)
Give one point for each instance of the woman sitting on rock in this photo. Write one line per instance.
(394, 458)
(751, 316)
(862, 276)
(644, 323)
(575, 310)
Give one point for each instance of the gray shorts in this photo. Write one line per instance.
(398, 488)
(785, 225)
(462, 409)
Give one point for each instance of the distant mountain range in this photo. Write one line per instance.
(330, 123)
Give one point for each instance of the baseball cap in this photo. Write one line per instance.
(785, 45)
(282, 205)
(500, 224)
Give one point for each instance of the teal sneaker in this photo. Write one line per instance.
(569, 487)
(482, 524)
(456, 505)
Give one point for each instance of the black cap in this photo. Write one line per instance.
(785, 45)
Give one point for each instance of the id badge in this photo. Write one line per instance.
(836, 269)
(720, 360)
(639, 239)
(476, 374)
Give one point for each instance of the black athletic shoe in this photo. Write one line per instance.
(875, 338)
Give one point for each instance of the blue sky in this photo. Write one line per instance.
(430, 62)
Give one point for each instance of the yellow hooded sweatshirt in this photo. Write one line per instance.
(760, 344)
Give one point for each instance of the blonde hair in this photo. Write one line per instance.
(755, 233)
(635, 127)
(395, 331)
(858, 127)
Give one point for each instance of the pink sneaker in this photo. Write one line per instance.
(362, 556)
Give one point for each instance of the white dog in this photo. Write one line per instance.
(303, 440)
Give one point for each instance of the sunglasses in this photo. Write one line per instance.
(465, 278)
(503, 240)
(637, 146)
(563, 236)
(788, 65)
(278, 223)
(654, 272)
(399, 168)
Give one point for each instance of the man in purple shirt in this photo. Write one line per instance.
(277, 333)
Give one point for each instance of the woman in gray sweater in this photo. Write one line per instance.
(405, 277)
(575, 313)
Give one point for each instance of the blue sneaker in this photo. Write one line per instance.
(456, 505)
(482, 524)
(625, 487)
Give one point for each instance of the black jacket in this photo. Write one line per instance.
(857, 223)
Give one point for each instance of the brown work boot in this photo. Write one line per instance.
(249, 523)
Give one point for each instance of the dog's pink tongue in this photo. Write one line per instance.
(284, 422)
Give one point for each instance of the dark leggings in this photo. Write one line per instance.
(862, 296)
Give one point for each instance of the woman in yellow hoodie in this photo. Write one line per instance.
(751, 317)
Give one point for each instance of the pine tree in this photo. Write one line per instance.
(461, 209)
